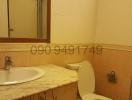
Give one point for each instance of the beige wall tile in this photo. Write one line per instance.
(120, 62)
(26, 58)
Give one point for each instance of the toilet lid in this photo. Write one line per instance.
(86, 83)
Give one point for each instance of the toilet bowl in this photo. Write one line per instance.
(86, 83)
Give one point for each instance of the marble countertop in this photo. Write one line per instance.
(55, 76)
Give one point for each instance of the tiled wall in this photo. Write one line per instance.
(23, 56)
(119, 60)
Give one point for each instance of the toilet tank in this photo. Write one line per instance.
(86, 83)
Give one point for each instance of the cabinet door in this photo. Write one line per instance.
(39, 96)
(49, 95)
(67, 92)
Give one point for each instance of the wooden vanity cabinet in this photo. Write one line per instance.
(67, 92)
(49, 95)
(39, 96)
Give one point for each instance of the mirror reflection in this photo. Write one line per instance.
(26, 19)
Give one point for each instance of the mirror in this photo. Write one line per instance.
(28, 21)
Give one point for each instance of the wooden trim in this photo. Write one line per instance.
(32, 40)
(48, 20)
(23, 40)
(8, 18)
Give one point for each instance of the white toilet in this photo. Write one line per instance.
(86, 84)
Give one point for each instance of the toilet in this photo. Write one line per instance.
(86, 83)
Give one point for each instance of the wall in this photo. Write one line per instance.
(76, 24)
(73, 21)
(118, 60)
(114, 22)
(22, 55)
(113, 31)
(3, 19)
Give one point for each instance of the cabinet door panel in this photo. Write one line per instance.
(25, 98)
(67, 92)
(39, 96)
(49, 95)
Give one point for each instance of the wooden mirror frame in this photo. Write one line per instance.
(32, 40)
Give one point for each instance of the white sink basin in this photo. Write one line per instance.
(19, 75)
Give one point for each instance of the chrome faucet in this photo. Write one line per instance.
(8, 63)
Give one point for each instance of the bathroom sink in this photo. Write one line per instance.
(19, 75)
